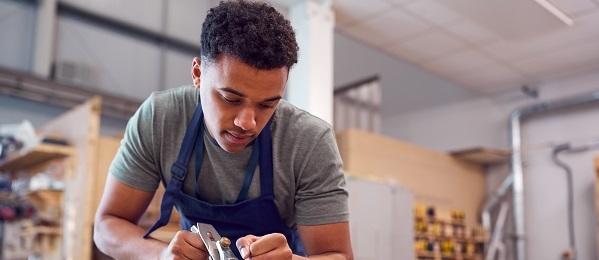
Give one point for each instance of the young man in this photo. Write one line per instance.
(231, 153)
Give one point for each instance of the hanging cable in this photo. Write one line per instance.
(556, 150)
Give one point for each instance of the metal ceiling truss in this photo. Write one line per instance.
(30, 87)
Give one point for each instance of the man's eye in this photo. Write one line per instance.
(266, 106)
(232, 101)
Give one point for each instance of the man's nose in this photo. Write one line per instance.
(246, 119)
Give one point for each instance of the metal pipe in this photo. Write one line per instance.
(503, 189)
(555, 156)
(518, 185)
(496, 246)
(516, 145)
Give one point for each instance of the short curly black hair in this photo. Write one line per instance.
(253, 32)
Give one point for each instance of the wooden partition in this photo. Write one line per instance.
(107, 148)
(436, 178)
(81, 126)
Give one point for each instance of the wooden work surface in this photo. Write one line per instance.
(435, 178)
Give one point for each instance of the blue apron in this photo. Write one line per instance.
(258, 216)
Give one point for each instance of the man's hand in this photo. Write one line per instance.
(185, 245)
(271, 246)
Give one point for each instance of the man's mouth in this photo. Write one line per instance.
(238, 138)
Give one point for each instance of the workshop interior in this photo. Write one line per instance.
(467, 129)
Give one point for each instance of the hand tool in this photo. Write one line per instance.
(218, 247)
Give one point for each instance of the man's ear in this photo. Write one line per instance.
(196, 72)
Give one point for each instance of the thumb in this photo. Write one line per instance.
(243, 245)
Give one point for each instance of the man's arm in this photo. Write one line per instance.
(116, 232)
(329, 241)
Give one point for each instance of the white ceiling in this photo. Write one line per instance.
(489, 46)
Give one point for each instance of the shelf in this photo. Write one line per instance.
(431, 255)
(48, 203)
(441, 221)
(45, 198)
(42, 230)
(38, 154)
(458, 239)
(483, 156)
(4, 195)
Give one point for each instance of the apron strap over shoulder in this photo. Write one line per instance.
(178, 171)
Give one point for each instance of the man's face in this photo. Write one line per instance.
(237, 99)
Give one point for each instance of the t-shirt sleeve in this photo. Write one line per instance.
(134, 163)
(322, 196)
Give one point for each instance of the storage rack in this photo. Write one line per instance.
(45, 238)
(436, 238)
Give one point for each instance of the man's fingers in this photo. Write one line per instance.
(267, 243)
(243, 245)
(187, 245)
(193, 239)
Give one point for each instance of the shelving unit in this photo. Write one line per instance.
(436, 238)
(43, 240)
(71, 237)
(442, 237)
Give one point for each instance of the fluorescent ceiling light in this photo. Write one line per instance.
(556, 11)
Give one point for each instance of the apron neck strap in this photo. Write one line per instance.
(265, 158)
(179, 168)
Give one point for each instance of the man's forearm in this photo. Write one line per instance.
(121, 239)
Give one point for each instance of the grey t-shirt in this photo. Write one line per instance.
(309, 188)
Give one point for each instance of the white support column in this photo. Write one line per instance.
(45, 34)
(310, 85)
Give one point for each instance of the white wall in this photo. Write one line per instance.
(483, 122)
(122, 65)
(17, 23)
(127, 65)
(184, 18)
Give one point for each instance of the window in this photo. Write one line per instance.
(358, 106)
